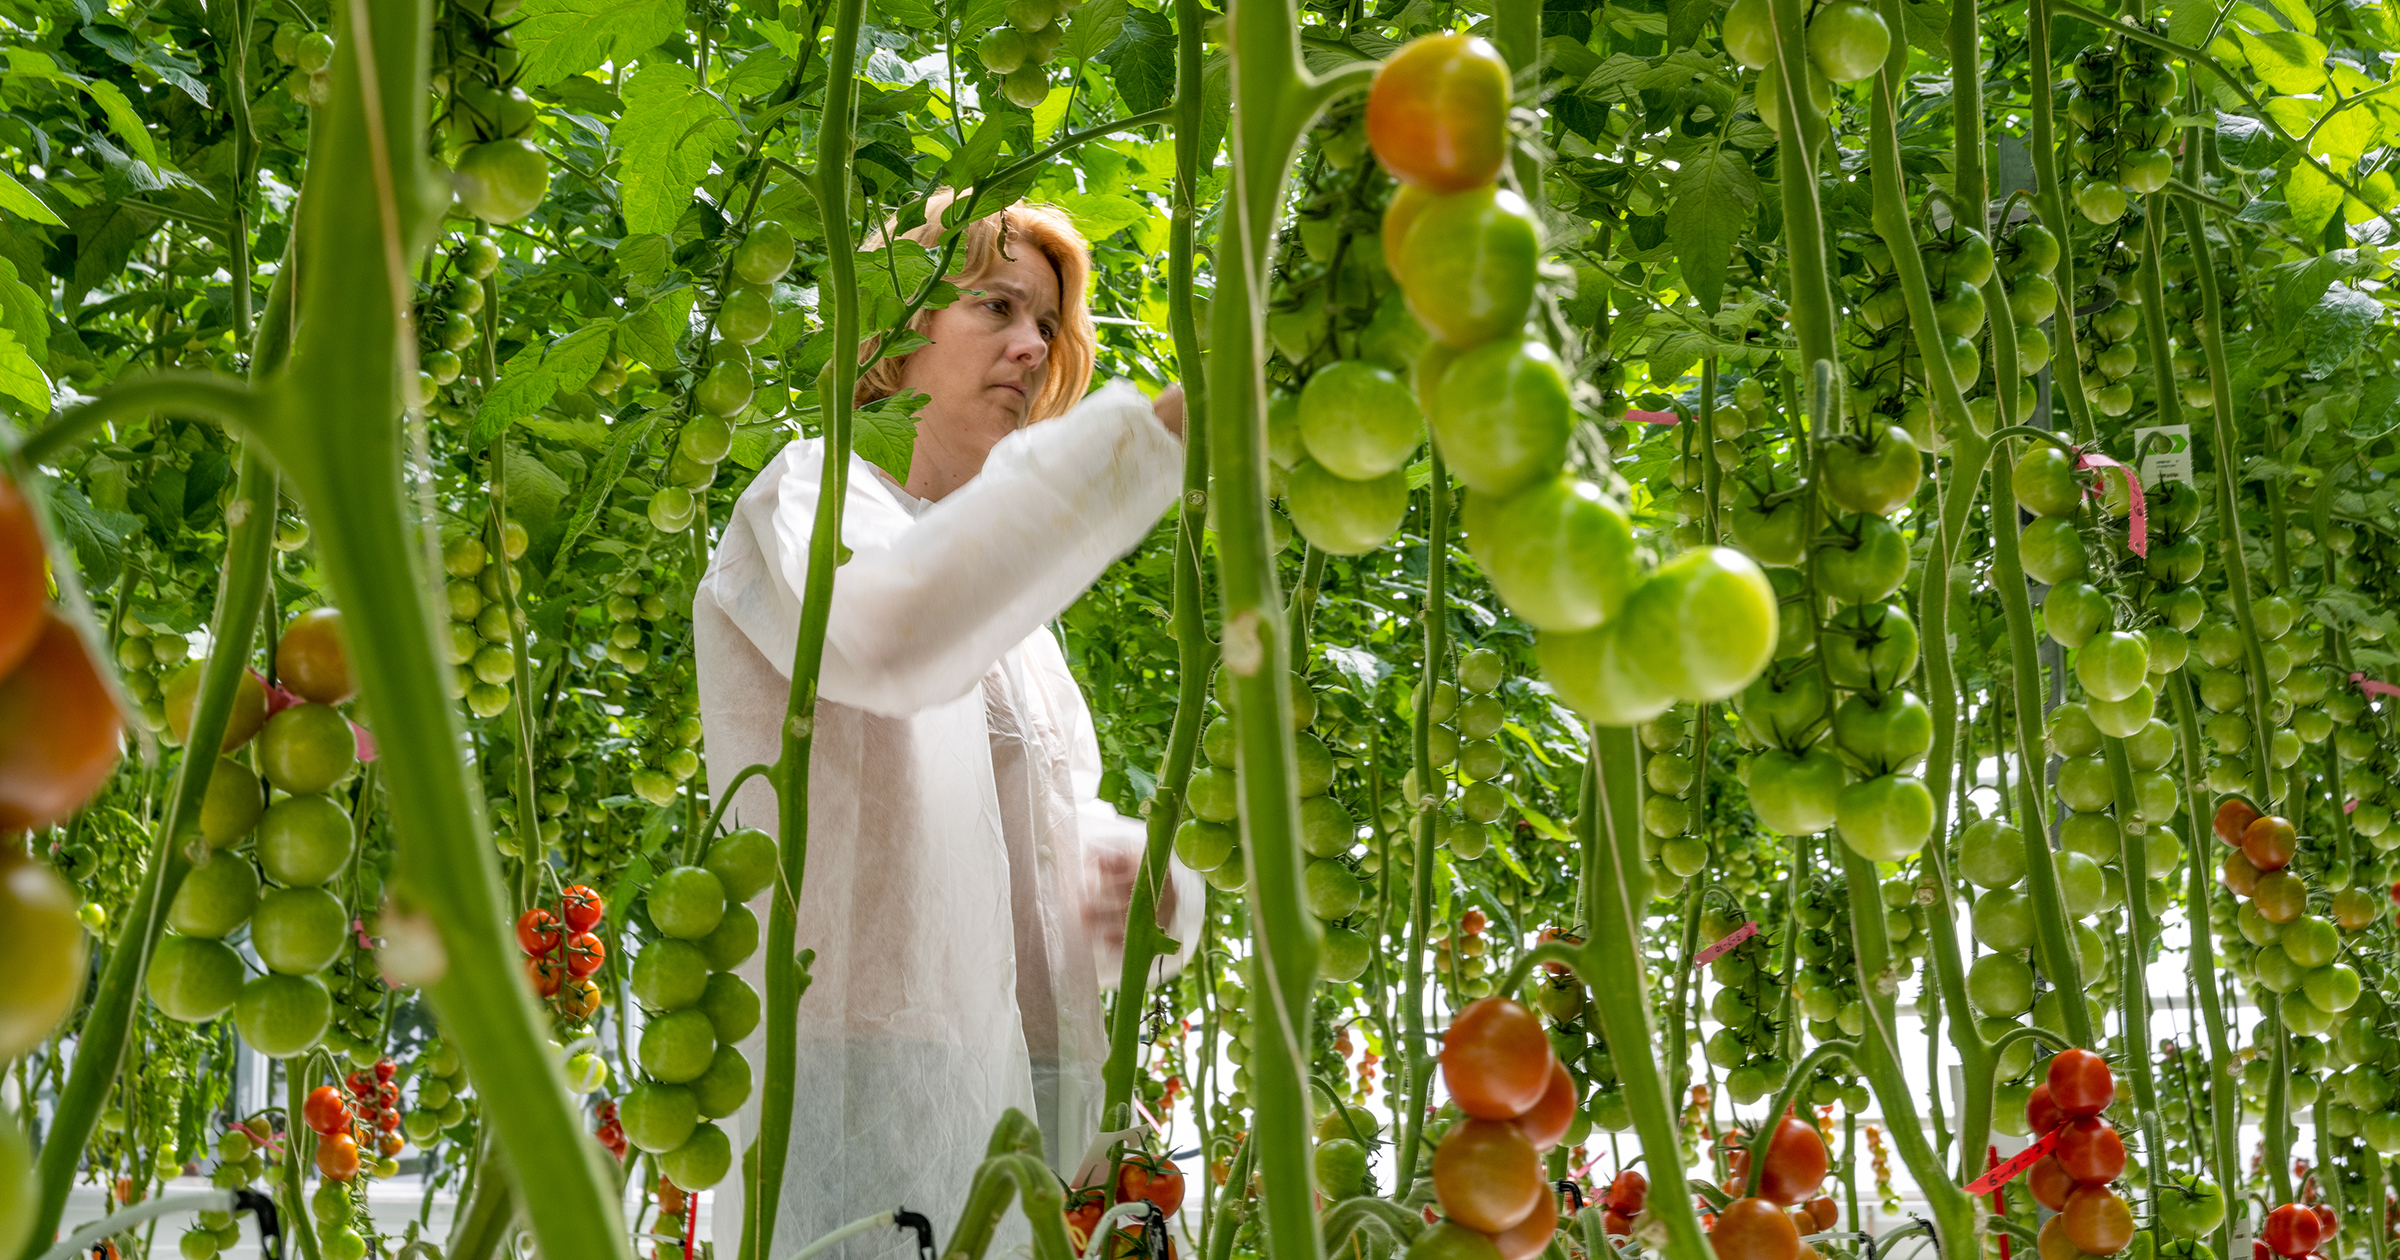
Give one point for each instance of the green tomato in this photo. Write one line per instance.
(2072, 612)
(501, 181)
(1330, 889)
(1796, 794)
(2003, 920)
(303, 840)
(1467, 265)
(686, 902)
(193, 979)
(1344, 517)
(2113, 665)
(1785, 712)
(1887, 732)
(215, 898)
(2052, 552)
(282, 1015)
(1595, 672)
(307, 748)
(1706, 621)
(1991, 853)
(1876, 475)
(1358, 420)
(298, 931)
(766, 253)
(1750, 34)
(1870, 647)
(2000, 985)
(2045, 483)
(1560, 552)
(1884, 819)
(726, 390)
(1501, 414)
(1862, 560)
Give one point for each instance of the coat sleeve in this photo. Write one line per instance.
(922, 608)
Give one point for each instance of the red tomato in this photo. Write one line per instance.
(1527, 1238)
(1496, 1059)
(2292, 1231)
(1486, 1175)
(1550, 1118)
(2050, 1183)
(585, 953)
(24, 578)
(2041, 1114)
(1152, 1177)
(1083, 1214)
(2080, 1083)
(2090, 1151)
(385, 1069)
(2327, 1226)
(325, 1111)
(2233, 818)
(1824, 1213)
(1627, 1193)
(537, 932)
(59, 730)
(1616, 1223)
(581, 907)
(1796, 1163)
(2097, 1221)
(362, 1084)
(1438, 113)
(546, 975)
(1754, 1229)
(337, 1157)
(2269, 843)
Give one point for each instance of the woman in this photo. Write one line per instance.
(965, 891)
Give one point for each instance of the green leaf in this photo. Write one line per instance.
(2336, 328)
(670, 134)
(1687, 19)
(25, 314)
(96, 534)
(1093, 29)
(1102, 215)
(2286, 61)
(884, 432)
(2312, 199)
(106, 233)
(1141, 61)
(17, 199)
(21, 378)
(623, 441)
(2345, 136)
(557, 38)
(1713, 195)
(536, 373)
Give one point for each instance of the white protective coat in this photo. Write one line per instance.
(952, 808)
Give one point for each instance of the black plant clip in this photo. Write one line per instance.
(270, 1227)
(1574, 1195)
(904, 1219)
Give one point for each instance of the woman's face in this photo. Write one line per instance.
(989, 358)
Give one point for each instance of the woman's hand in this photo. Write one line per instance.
(1113, 871)
(1169, 406)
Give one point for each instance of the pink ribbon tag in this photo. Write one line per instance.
(2137, 526)
(359, 926)
(2015, 1164)
(1718, 950)
(1144, 1112)
(278, 699)
(1653, 417)
(364, 742)
(2350, 806)
(2372, 687)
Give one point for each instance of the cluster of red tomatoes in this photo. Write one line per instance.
(1759, 1227)
(347, 1127)
(2263, 845)
(562, 951)
(2073, 1179)
(59, 729)
(1141, 1177)
(1626, 1197)
(1794, 1169)
(2294, 1232)
(1519, 1101)
(611, 1133)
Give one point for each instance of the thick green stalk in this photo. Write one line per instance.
(1616, 887)
(2201, 958)
(786, 979)
(369, 205)
(1879, 1057)
(1195, 653)
(1813, 316)
(2054, 949)
(2134, 991)
(2229, 518)
(108, 1025)
(2050, 202)
(1427, 817)
(1274, 100)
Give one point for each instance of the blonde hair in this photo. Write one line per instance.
(982, 246)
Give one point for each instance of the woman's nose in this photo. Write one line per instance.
(1025, 344)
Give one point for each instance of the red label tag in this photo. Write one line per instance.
(2137, 524)
(1653, 417)
(2016, 1163)
(1736, 937)
(2372, 687)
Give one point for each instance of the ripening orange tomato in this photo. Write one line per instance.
(1496, 1059)
(59, 730)
(1438, 113)
(24, 579)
